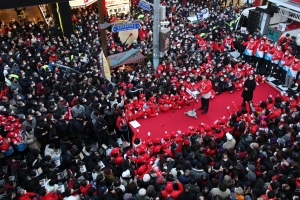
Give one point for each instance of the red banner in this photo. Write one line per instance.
(295, 1)
(104, 8)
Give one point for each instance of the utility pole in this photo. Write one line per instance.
(103, 30)
(155, 34)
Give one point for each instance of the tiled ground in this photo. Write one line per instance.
(272, 81)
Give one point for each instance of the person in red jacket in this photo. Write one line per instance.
(211, 149)
(84, 186)
(23, 195)
(228, 42)
(276, 112)
(250, 45)
(288, 61)
(205, 92)
(169, 192)
(275, 61)
(45, 195)
(292, 71)
(260, 49)
(143, 33)
(270, 195)
(269, 52)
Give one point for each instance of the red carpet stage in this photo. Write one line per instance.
(174, 121)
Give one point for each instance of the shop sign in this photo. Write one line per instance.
(78, 3)
(115, 2)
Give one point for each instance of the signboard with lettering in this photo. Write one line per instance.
(78, 3)
(115, 2)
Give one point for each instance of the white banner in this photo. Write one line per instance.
(109, 3)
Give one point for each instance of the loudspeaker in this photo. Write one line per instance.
(273, 8)
(254, 20)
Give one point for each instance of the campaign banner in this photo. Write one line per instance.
(106, 67)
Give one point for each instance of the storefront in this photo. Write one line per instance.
(113, 7)
(48, 10)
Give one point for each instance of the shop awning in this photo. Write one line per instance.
(127, 57)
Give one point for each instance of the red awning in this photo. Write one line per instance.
(135, 58)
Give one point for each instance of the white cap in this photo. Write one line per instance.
(229, 136)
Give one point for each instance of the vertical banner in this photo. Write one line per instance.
(106, 67)
(104, 7)
(101, 64)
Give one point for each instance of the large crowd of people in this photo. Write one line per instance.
(64, 132)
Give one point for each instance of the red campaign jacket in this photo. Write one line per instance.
(228, 42)
(53, 58)
(295, 66)
(271, 50)
(249, 45)
(209, 152)
(27, 196)
(205, 87)
(143, 33)
(130, 115)
(4, 145)
(219, 135)
(284, 59)
(120, 120)
(277, 55)
(49, 196)
(293, 104)
(217, 47)
(276, 113)
(259, 47)
(169, 192)
(290, 61)
(281, 40)
(84, 189)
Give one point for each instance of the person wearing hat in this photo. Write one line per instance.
(230, 143)
(146, 181)
(205, 88)
(142, 195)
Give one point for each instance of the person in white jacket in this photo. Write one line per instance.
(51, 186)
(51, 151)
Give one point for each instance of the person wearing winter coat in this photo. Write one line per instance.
(249, 87)
(222, 191)
(197, 172)
(169, 192)
(31, 140)
(185, 178)
(230, 143)
(78, 109)
(186, 194)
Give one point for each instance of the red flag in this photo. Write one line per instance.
(104, 7)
